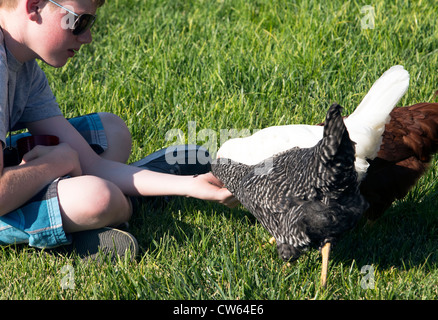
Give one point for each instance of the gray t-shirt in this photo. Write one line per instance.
(30, 97)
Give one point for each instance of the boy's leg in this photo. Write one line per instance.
(88, 205)
(88, 202)
(56, 215)
(106, 133)
(118, 138)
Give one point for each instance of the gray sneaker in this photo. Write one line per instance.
(179, 160)
(102, 243)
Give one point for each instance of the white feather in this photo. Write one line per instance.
(365, 126)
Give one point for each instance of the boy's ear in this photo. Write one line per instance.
(33, 8)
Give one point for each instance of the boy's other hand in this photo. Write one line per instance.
(59, 155)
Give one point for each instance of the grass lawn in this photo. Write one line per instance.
(163, 65)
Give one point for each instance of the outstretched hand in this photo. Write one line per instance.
(208, 187)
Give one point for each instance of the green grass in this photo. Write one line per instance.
(242, 64)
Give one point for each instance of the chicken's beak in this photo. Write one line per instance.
(325, 252)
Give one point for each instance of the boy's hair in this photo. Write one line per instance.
(11, 4)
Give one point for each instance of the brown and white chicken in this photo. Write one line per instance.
(409, 143)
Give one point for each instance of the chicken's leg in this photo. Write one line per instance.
(325, 252)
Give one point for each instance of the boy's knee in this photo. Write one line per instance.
(90, 202)
(109, 203)
(118, 137)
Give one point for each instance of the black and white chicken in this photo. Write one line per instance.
(305, 197)
(365, 127)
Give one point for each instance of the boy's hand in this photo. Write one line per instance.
(208, 187)
(61, 154)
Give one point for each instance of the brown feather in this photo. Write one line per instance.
(409, 142)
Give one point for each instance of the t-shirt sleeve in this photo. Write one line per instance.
(41, 103)
(3, 98)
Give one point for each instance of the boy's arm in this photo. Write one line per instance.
(42, 165)
(132, 180)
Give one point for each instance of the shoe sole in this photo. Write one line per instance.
(104, 243)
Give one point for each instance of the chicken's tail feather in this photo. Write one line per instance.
(382, 97)
(367, 123)
(335, 168)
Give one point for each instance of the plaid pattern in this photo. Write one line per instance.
(89, 126)
(39, 222)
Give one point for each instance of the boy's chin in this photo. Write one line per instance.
(56, 63)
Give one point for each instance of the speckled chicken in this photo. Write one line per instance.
(305, 197)
(394, 146)
(365, 127)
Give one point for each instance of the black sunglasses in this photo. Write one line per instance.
(82, 23)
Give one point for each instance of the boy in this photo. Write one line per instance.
(38, 207)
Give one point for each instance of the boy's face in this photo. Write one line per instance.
(53, 40)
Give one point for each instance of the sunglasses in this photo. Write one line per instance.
(82, 23)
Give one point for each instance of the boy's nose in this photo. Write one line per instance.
(85, 37)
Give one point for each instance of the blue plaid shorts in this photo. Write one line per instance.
(38, 222)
